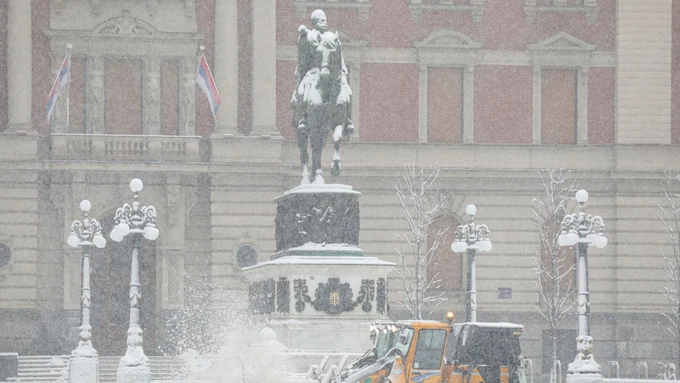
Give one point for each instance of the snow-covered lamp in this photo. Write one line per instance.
(583, 230)
(471, 237)
(139, 222)
(85, 234)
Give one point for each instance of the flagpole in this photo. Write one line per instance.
(201, 48)
(68, 85)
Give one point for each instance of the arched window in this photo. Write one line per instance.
(446, 265)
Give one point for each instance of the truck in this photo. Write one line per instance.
(424, 351)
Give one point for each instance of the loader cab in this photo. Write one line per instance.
(490, 352)
(421, 345)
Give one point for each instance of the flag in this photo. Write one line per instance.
(205, 80)
(59, 82)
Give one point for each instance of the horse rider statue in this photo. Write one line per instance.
(322, 100)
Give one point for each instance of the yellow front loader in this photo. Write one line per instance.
(433, 352)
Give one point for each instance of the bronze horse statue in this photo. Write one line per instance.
(322, 104)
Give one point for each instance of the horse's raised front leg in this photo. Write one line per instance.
(302, 138)
(318, 141)
(337, 136)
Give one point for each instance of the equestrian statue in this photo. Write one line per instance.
(322, 101)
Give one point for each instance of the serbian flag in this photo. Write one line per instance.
(205, 80)
(59, 82)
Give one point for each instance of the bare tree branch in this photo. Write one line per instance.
(413, 191)
(553, 267)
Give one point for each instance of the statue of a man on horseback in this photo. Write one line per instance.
(322, 100)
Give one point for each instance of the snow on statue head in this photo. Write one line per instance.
(319, 21)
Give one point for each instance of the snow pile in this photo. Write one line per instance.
(59, 365)
(245, 356)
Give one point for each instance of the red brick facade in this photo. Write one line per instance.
(389, 96)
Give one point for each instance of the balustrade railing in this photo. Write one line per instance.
(305, 7)
(533, 7)
(124, 148)
(475, 7)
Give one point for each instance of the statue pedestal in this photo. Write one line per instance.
(584, 378)
(133, 374)
(83, 369)
(319, 291)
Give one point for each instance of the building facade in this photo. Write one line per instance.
(488, 91)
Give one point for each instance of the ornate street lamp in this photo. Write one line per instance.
(85, 234)
(138, 222)
(471, 237)
(583, 230)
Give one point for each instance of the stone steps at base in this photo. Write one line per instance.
(51, 368)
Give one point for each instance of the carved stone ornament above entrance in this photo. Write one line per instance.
(303, 8)
(151, 6)
(562, 50)
(447, 47)
(448, 39)
(475, 7)
(125, 24)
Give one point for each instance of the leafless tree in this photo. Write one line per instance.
(422, 205)
(554, 264)
(669, 215)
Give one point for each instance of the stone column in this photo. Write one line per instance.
(226, 66)
(95, 96)
(422, 103)
(152, 96)
(19, 54)
(582, 105)
(469, 104)
(643, 76)
(537, 135)
(188, 94)
(264, 69)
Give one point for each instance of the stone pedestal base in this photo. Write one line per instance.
(136, 374)
(584, 378)
(83, 369)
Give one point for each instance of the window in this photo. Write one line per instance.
(561, 64)
(446, 101)
(123, 97)
(445, 105)
(246, 256)
(446, 265)
(5, 256)
(429, 349)
(559, 112)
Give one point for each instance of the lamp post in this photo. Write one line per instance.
(85, 234)
(583, 230)
(471, 237)
(138, 222)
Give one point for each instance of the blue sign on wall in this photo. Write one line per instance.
(505, 293)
